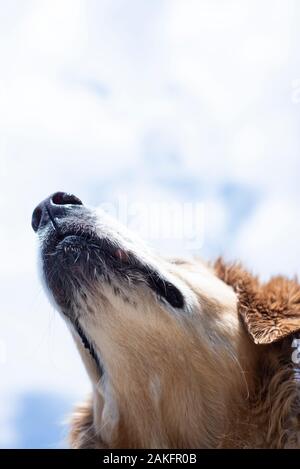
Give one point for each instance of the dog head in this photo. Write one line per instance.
(157, 336)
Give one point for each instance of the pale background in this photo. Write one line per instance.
(162, 100)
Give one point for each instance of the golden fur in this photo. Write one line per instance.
(220, 376)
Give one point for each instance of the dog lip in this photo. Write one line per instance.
(72, 236)
(74, 239)
(88, 346)
(70, 239)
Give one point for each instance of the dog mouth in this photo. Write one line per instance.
(74, 257)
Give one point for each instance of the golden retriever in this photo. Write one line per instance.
(180, 354)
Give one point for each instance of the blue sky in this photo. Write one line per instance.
(156, 102)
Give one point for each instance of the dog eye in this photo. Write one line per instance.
(174, 296)
(166, 290)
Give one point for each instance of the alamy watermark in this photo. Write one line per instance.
(296, 352)
(161, 221)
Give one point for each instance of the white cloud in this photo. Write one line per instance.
(269, 240)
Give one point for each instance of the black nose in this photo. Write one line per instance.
(53, 207)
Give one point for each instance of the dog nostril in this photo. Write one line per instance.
(62, 198)
(52, 208)
(36, 218)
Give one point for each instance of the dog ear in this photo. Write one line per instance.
(274, 312)
(270, 311)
